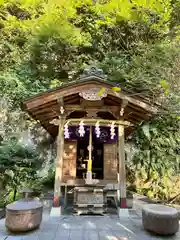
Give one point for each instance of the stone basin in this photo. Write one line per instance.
(160, 219)
(23, 215)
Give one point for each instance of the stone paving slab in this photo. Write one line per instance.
(87, 228)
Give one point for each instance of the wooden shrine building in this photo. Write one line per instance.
(90, 121)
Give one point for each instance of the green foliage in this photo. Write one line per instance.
(18, 166)
(48, 181)
(157, 157)
(35, 51)
(143, 70)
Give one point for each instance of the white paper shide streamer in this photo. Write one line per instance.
(112, 131)
(66, 131)
(97, 130)
(81, 129)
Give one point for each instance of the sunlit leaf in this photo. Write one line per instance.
(116, 89)
(1, 2)
(164, 84)
(101, 91)
(166, 92)
(54, 83)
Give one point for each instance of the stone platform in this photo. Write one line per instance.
(87, 228)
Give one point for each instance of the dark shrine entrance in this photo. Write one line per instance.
(100, 158)
(97, 158)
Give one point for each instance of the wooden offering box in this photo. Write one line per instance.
(89, 199)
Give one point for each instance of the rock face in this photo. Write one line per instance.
(23, 215)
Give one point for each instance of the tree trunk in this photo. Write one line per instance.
(15, 192)
(149, 167)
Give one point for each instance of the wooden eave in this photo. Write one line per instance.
(44, 107)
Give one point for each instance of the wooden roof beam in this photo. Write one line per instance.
(50, 96)
(86, 121)
(54, 108)
(43, 106)
(138, 109)
(74, 107)
(141, 116)
(46, 116)
(51, 115)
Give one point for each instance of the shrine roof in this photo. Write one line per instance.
(44, 107)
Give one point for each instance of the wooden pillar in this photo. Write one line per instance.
(59, 163)
(122, 170)
(90, 150)
(89, 166)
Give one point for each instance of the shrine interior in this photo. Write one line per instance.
(97, 158)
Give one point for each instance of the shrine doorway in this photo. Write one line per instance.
(97, 158)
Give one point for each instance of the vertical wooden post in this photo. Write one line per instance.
(89, 167)
(122, 170)
(59, 164)
(90, 149)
